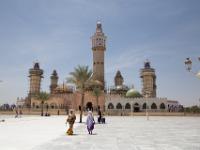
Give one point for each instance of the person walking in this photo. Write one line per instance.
(71, 120)
(16, 112)
(100, 116)
(90, 122)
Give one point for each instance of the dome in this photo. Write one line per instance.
(133, 93)
(62, 88)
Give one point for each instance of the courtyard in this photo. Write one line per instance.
(130, 133)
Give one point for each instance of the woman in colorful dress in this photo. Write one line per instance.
(71, 119)
(90, 122)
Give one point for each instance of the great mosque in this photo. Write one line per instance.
(114, 100)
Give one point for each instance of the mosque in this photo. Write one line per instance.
(114, 100)
(123, 100)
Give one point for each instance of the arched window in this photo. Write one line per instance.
(144, 106)
(162, 106)
(127, 106)
(119, 106)
(153, 106)
(110, 106)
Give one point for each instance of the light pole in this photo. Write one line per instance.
(188, 65)
(2, 120)
(199, 102)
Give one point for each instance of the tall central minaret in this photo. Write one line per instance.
(98, 48)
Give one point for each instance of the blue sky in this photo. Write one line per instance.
(57, 34)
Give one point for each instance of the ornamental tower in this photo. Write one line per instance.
(98, 48)
(119, 79)
(35, 75)
(54, 81)
(148, 77)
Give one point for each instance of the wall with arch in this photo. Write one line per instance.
(119, 104)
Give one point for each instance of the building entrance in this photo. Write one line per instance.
(89, 106)
(136, 107)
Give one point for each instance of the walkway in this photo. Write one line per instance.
(133, 133)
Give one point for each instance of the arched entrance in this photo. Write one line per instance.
(110, 106)
(136, 107)
(119, 106)
(153, 106)
(162, 106)
(144, 106)
(89, 106)
(127, 106)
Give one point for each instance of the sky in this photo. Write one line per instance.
(57, 35)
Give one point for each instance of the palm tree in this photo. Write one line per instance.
(42, 96)
(97, 92)
(80, 77)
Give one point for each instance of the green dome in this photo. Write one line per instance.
(133, 93)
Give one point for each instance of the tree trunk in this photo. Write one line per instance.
(97, 99)
(82, 104)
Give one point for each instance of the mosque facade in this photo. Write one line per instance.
(62, 96)
(121, 100)
(116, 99)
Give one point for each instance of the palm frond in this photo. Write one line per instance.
(80, 76)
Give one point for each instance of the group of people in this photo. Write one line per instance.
(90, 122)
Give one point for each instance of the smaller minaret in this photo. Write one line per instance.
(148, 77)
(35, 75)
(54, 81)
(119, 79)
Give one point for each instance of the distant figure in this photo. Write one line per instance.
(71, 120)
(103, 119)
(100, 116)
(2, 120)
(20, 113)
(16, 112)
(58, 112)
(90, 122)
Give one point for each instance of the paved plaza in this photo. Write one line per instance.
(130, 133)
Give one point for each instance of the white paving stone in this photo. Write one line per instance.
(128, 133)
